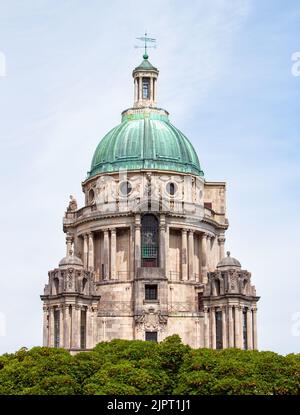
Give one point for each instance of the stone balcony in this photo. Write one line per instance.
(94, 211)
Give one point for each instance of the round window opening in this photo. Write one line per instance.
(91, 196)
(125, 188)
(171, 189)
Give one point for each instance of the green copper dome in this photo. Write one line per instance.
(145, 139)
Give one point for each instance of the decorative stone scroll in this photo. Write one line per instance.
(151, 320)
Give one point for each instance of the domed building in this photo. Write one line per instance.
(145, 254)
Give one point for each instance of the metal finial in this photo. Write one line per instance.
(146, 45)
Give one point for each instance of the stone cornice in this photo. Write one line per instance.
(69, 294)
(231, 295)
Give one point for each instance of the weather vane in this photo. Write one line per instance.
(148, 43)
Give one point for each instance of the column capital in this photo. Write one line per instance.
(221, 239)
(184, 231)
(113, 230)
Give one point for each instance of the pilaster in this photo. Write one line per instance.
(191, 255)
(113, 254)
(184, 255)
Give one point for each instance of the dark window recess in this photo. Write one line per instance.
(151, 336)
(245, 334)
(200, 302)
(171, 188)
(150, 292)
(219, 330)
(83, 329)
(146, 88)
(208, 205)
(149, 241)
(218, 287)
(56, 328)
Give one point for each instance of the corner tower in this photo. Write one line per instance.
(145, 254)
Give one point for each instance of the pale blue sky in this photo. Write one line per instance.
(225, 77)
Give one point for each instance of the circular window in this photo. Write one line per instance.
(171, 188)
(91, 196)
(125, 188)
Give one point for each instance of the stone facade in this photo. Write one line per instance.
(145, 260)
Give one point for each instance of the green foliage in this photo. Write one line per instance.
(238, 372)
(123, 367)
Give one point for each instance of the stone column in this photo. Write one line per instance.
(206, 328)
(106, 254)
(254, 323)
(221, 241)
(135, 90)
(237, 331)
(204, 259)
(51, 326)
(167, 245)
(69, 240)
(184, 255)
(241, 328)
(85, 251)
(249, 329)
(67, 327)
(89, 328)
(191, 255)
(46, 327)
(91, 252)
(162, 242)
(75, 341)
(224, 328)
(231, 328)
(113, 254)
(140, 88)
(131, 267)
(208, 252)
(213, 327)
(137, 240)
(61, 326)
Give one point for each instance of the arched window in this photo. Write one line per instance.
(56, 285)
(150, 252)
(146, 88)
(218, 286)
(84, 281)
(245, 286)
